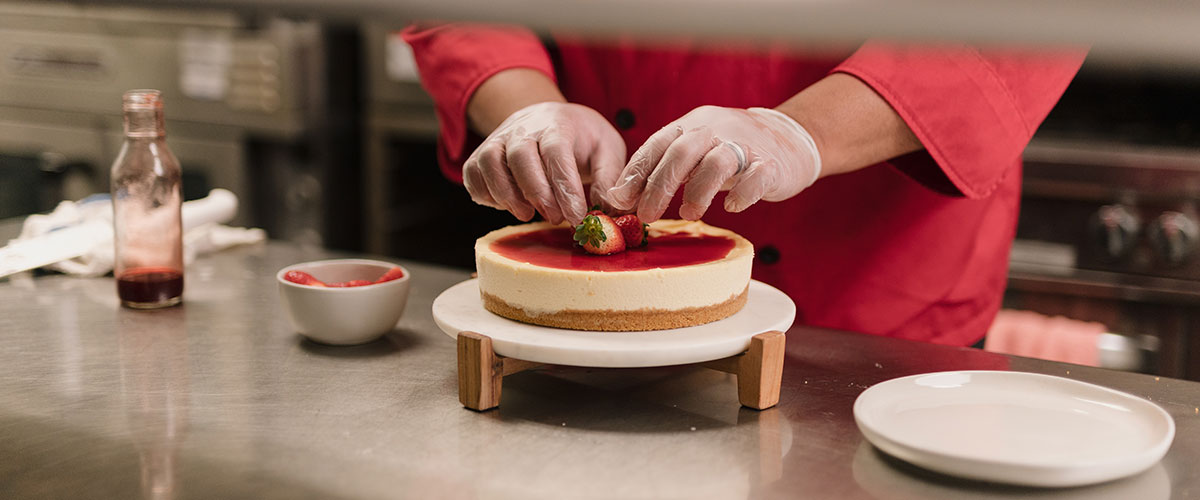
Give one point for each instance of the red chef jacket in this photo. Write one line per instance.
(914, 248)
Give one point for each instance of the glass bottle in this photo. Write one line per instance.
(147, 205)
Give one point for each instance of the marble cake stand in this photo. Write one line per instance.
(749, 344)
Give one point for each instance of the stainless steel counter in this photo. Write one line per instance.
(219, 398)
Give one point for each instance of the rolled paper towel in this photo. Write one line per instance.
(219, 206)
(1029, 334)
(76, 238)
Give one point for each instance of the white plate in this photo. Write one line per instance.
(459, 309)
(1013, 427)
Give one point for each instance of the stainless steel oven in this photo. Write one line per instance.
(1109, 229)
(245, 97)
(412, 210)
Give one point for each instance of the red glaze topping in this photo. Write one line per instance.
(555, 248)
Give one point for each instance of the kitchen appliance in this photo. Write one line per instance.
(412, 210)
(1108, 229)
(246, 99)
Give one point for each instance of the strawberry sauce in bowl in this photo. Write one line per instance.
(343, 301)
(302, 278)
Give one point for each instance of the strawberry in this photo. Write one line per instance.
(347, 284)
(634, 231)
(394, 273)
(598, 234)
(302, 278)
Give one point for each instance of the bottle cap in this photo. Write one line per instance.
(142, 99)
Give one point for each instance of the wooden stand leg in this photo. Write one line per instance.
(759, 370)
(762, 371)
(481, 371)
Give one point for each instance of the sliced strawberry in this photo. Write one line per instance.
(634, 231)
(394, 273)
(598, 234)
(302, 278)
(351, 283)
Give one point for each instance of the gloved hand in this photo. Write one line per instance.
(540, 157)
(755, 154)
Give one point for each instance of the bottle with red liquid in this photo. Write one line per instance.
(147, 205)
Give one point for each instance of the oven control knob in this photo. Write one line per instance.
(1115, 230)
(1174, 236)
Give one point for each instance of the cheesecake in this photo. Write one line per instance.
(688, 274)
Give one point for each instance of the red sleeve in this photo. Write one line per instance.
(453, 60)
(974, 110)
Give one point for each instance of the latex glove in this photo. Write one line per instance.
(755, 154)
(540, 157)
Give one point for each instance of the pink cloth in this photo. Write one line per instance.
(1029, 334)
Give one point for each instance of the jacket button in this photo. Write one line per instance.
(624, 119)
(768, 254)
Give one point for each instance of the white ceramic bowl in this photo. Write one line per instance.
(344, 316)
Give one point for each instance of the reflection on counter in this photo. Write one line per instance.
(589, 407)
(155, 388)
(884, 476)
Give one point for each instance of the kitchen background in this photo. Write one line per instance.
(322, 130)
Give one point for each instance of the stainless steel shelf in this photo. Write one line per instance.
(1119, 31)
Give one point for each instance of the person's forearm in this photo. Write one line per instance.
(852, 125)
(505, 93)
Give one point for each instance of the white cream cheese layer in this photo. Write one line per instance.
(541, 290)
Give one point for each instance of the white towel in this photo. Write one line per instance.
(203, 233)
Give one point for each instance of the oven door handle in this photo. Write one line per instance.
(1127, 352)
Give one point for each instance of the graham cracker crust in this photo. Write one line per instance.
(619, 321)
